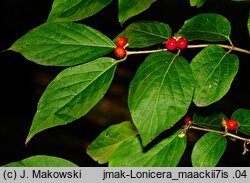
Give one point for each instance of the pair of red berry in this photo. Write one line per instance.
(120, 51)
(230, 124)
(176, 42)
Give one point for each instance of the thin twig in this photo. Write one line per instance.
(222, 46)
(144, 51)
(190, 46)
(220, 132)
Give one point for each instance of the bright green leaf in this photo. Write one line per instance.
(208, 150)
(102, 148)
(42, 161)
(214, 70)
(208, 27)
(242, 116)
(63, 44)
(74, 10)
(128, 9)
(167, 153)
(197, 3)
(146, 33)
(72, 94)
(160, 94)
(212, 121)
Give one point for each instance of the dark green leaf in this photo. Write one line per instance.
(242, 116)
(63, 44)
(42, 161)
(208, 150)
(103, 147)
(197, 3)
(207, 27)
(167, 153)
(214, 71)
(160, 94)
(212, 121)
(72, 94)
(146, 33)
(128, 9)
(74, 10)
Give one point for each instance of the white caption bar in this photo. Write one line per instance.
(121, 175)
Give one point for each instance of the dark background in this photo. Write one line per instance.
(22, 81)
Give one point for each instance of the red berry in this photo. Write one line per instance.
(171, 44)
(120, 52)
(231, 124)
(187, 120)
(121, 41)
(182, 43)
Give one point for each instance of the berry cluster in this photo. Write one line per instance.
(230, 124)
(176, 42)
(120, 51)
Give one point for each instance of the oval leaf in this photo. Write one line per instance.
(42, 161)
(72, 94)
(160, 94)
(214, 71)
(208, 27)
(128, 9)
(197, 3)
(74, 10)
(103, 147)
(166, 153)
(63, 44)
(242, 116)
(208, 150)
(212, 121)
(146, 33)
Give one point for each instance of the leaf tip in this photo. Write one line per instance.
(28, 138)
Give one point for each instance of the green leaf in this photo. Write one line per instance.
(72, 94)
(146, 33)
(128, 9)
(103, 147)
(63, 44)
(242, 116)
(74, 10)
(214, 71)
(197, 3)
(212, 121)
(160, 93)
(208, 150)
(42, 161)
(167, 153)
(207, 27)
